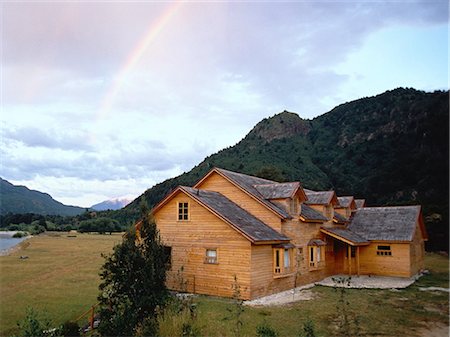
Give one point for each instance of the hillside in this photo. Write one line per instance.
(20, 199)
(389, 149)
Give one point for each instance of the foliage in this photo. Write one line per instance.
(265, 330)
(347, 321)
(20, 235)
(133, 283)
(70, 329)
(101, 225)
(34, 324)
(308, 329)
(237, 309)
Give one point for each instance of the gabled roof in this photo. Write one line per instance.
(345, 235)
(252, 228)
(360, 203)
(321, 198)
(346, 202)
(340, 219)
(309, 214)
(396, 223)
(247, 184)
(279, 190)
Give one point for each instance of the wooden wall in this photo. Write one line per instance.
(189, 241)
(396, 265)
(217, 183)
(417, 252)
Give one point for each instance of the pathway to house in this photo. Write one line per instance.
(304, 293)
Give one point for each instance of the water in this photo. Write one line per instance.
(7, 241)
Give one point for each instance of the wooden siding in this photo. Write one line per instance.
(217, 183)
(263, 281)
(417, 251)
(189, 241)
(398, 264)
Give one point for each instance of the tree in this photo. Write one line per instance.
(133, 283)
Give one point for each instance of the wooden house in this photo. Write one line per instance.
(271, 236)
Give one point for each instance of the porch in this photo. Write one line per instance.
(346, 250)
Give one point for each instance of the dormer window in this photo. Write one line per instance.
(294, 206)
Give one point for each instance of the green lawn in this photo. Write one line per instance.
(379, 312)
(61, 277)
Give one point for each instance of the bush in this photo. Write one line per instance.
(265, 330)
(308, 329)
(34, 325)
(20, 235)
(70, 329)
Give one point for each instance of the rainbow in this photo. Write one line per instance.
(135, 55)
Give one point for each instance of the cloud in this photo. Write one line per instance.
(75, 111)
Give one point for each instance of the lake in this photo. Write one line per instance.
(7, 241)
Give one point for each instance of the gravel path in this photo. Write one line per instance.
(289, 296)
(371, 282)
(304, 293)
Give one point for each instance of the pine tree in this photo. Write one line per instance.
(133, 283)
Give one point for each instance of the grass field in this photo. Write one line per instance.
(60, 277)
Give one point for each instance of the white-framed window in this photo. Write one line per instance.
(183, 211)
(282, 260)
(316, 258)
(211, 256)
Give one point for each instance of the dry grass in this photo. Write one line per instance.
(60, 277)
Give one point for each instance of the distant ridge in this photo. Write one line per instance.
(20, 199)
(112, 204)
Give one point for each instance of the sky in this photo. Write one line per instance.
(104, 99)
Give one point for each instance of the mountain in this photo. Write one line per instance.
(112, 204)
(20, 199)
(390, 149)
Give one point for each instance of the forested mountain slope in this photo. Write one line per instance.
(20, 199)
(390, 149)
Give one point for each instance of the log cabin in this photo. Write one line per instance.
(269, 237)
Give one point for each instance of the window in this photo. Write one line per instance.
(282, 260)
(384, 250)
(329, 211)
(294, 206)
(183, 211)
(168, 256)
(315, 256)
(211, 256)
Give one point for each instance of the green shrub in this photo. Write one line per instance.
(20, 235)
(265, 330)
(70, 329)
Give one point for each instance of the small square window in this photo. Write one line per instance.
(211, 256)
(183, 211)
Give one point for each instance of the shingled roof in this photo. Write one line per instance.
(309, 214)
(319, 198)
(248, 183)
(346, 201)
(346, 235)
(386, 223)
(254, 229)
(340, 219)
(278, 190)
(360, 203)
